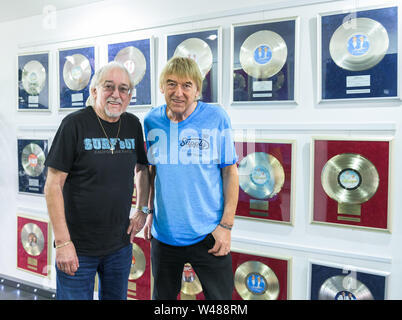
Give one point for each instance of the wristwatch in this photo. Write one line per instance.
(145, 209)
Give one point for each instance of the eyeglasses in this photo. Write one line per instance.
(111, 87)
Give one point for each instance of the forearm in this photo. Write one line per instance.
(152, 174)
(142, 184)
(230, 180)
(55, 206)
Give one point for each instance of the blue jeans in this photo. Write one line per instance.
(113, 271)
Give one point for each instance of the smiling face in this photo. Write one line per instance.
(113, 95)
(180, 96)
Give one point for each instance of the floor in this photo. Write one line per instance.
(15, 289)
(11, 293)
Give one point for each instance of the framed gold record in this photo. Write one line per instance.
(260, 277)
(351, 182)
(266, 173)
(34, 239)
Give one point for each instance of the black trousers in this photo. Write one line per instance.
(215, 273)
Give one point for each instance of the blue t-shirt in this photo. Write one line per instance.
(188, 157)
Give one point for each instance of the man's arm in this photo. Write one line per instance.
(148, 223)
(137, 221)
(66, 256)
(222, 233)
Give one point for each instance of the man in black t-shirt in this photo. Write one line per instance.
(89, 188)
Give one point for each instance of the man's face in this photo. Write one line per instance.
(180, 93)
(113, 96)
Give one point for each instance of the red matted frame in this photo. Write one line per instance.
(140, 289)
(199, 296)
(280, 266)
(374, 212)
(40, 264)
(280, 207)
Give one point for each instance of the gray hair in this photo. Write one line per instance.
(99, 75)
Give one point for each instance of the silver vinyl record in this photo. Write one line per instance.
(77, 72)
(261, 175)
(344, 288)
(133, 59)
(138, 263)
(33, 77)
(256, 281)
(263, 54)
(32, 239)
(359, 44)
(198, 50)
(190, 284)
(33, 159)
(349, 178)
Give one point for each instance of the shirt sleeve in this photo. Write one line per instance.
(140, 146)
(227, 146)
(64, 147)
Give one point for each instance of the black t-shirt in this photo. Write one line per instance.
(99, 186)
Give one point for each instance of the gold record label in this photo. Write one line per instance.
(134, 61)
(33, 77)
(263, 54)
(344, 288)
(359, 44)
(33, 159)
(190, 284)
(261, 175)
(77, 72)
(349, 178)
(32, 239)
(198, 50)
(138, 263)
(256, 281)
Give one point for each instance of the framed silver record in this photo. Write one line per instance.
(76, 66)
(264, 61)
(339, 281)
(358, 54)
(33, 81)
(204, 46)
(138, 58)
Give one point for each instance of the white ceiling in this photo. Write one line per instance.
(18, 9)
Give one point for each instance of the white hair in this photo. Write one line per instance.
(98, 77)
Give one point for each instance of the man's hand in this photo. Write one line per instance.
(222, 245)
(137, 222)
(67, 260)
(148, 226)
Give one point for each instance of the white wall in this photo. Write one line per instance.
(123, 20)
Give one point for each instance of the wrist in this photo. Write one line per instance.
(226, 226)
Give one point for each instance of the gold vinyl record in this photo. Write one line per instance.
(133, 59)
(261, 175)
(349, 178)
(190, 284)
(33, 159)
(77, 72)
(32, 239)
(33, 77)
(359, 44)
(263, 54)
(256, 281)
(138, 263)
(198, 50)
(344, 288)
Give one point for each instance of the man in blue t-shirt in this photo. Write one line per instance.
(194, 186)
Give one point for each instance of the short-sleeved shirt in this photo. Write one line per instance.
(188, 156)
(99, 186)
